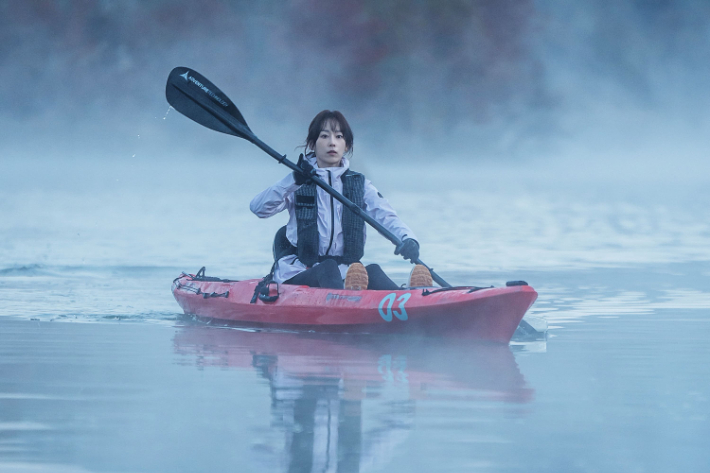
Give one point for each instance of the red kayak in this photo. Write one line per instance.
(490, 314)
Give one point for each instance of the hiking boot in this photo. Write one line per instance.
(420, 277)
(356, 278)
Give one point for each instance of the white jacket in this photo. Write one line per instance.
(280, 196)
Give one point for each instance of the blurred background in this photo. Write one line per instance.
(461, 79)
(509, 134)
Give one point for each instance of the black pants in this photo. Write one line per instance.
(327, 275)
(378, 280)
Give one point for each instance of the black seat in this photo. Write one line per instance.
(282, 246)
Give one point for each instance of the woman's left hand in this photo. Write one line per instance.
(409, 249)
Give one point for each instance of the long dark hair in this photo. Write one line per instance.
(333, 117)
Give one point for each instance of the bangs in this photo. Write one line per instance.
(334, 124)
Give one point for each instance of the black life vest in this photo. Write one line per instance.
(353, 226)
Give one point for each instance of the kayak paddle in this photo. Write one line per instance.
(200, 100)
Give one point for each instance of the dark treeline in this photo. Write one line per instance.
(414, 63)
(453, 58)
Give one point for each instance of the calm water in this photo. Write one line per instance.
(99, 373)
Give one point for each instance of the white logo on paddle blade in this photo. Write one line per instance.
(184, 75)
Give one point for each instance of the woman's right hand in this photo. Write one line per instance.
(308, 171)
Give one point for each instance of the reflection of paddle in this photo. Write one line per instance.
(198, 99)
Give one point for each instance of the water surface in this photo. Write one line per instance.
(99, 372)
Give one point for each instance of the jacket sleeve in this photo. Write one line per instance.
(275, 198)
(378, 208)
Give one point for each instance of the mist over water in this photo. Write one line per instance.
(465, 80)
(564, 143)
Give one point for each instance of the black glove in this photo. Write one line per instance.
(307, 170)
(409, 249)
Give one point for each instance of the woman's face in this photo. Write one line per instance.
(330, 146)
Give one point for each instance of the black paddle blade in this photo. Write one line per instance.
(200, 100)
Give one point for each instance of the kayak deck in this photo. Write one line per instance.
(464, 312)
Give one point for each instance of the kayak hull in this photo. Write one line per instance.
(490, 314)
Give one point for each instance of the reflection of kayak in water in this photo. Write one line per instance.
(424, 367)
(348, 402)
(467, 312)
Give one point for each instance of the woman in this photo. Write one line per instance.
(325, 239)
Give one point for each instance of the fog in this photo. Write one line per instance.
(461, 81)
(516, 114)
(564, 143)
